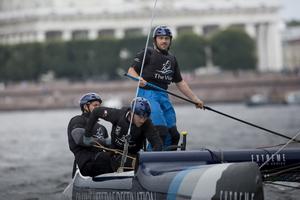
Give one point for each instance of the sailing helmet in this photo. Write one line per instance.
(89, 97)
(162, 30)
(141, 107)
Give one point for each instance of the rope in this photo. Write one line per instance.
(125, 150)
(284, 171)
(279, 150)
(117, 151)
(272, 146)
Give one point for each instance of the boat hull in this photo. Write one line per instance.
(173, 176)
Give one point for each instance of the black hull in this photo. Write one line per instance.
(175, 175)
(234, 174)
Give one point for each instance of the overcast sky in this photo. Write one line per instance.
(291, 9)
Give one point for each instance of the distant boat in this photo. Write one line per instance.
(258, 100)
(293, 97)
(263, 100)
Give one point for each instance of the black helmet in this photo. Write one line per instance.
(89, 97)
(142, 107)
(162, 30)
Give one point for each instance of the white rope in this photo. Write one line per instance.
(279, 150)
(126, 144)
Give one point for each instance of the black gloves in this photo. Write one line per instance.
(90, 141)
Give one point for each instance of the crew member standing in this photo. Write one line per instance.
(161, 68)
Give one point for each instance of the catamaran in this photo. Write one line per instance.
(182, 175)
(196, 175)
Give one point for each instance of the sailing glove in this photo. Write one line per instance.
(90, 141)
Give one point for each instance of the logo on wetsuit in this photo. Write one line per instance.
(100, 132)
(165, 73)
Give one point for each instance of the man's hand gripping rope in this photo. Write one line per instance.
(119, 152)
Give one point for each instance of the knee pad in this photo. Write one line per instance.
(175, 136)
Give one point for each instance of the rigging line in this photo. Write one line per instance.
(282, 171)
(280, 149)
(276, 145)
(126, 138)
(283, 168)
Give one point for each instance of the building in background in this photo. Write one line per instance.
(47, 20)
(291, 49)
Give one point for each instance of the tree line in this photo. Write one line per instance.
(101, 59)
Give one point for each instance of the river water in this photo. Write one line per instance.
(36, 163)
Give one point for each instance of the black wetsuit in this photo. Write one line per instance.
(90, 160)
(120, 124)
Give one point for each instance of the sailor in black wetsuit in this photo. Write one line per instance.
(141, 128)
(90, 160)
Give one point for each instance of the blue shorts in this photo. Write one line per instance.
(162, 111)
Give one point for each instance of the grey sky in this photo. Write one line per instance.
(291, 9)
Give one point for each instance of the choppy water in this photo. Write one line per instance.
(36, 163)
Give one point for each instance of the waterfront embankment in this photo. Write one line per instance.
(221, 88)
